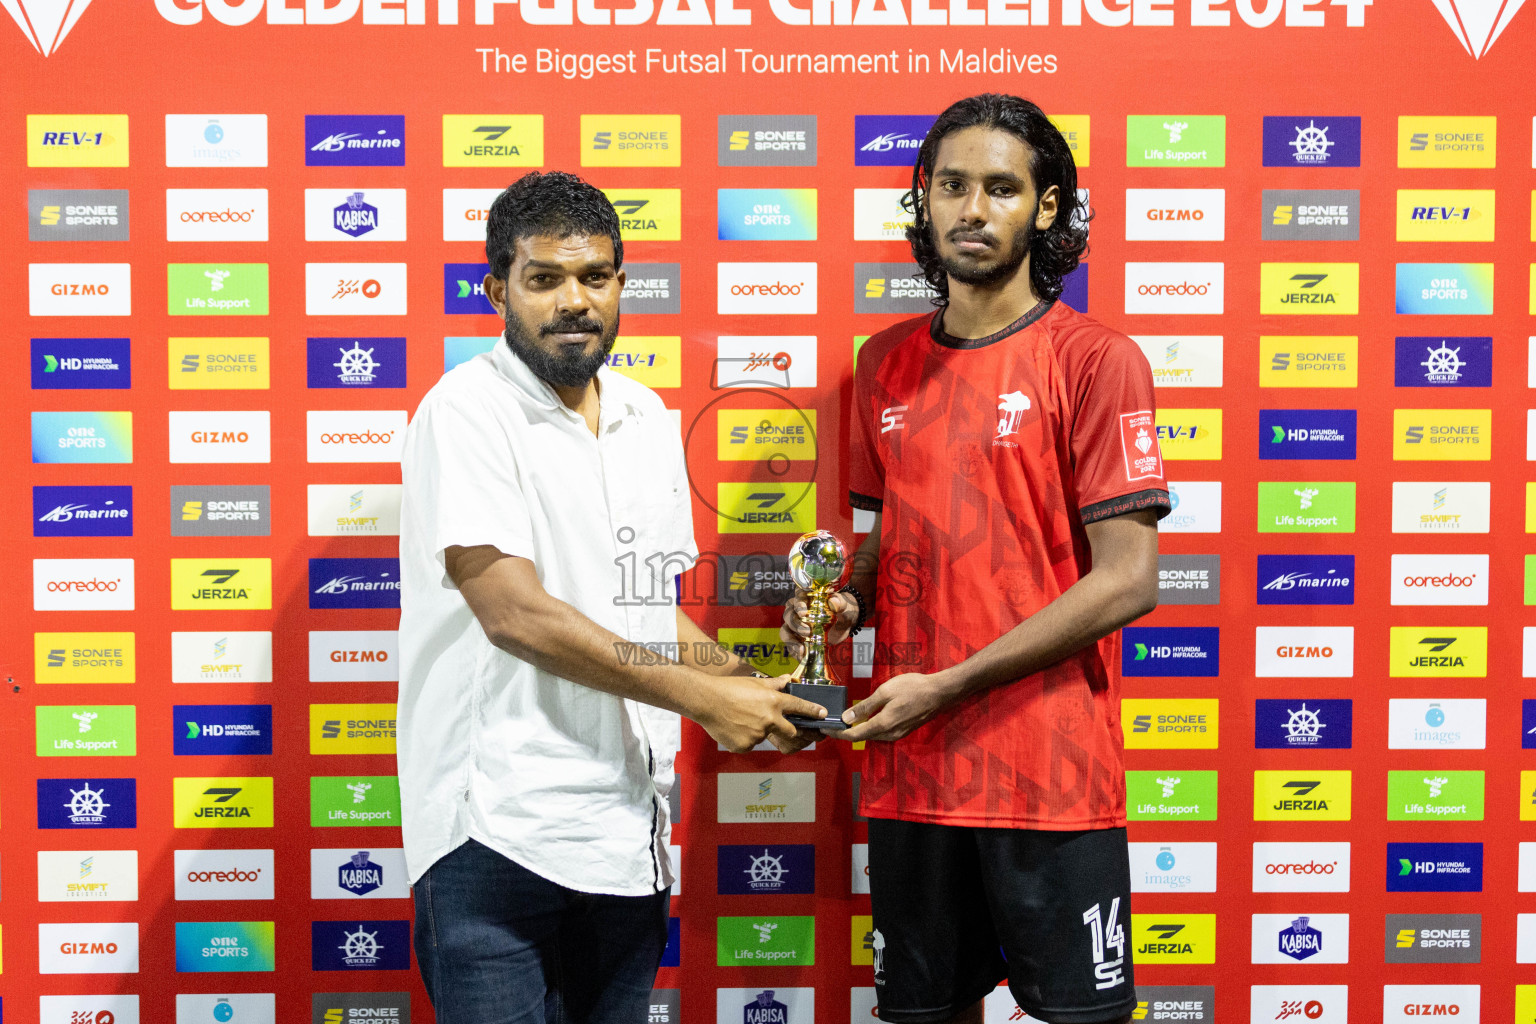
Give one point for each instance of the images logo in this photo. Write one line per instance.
(225, 946)
(744, 870)
(1301, 652)
(360, 945)
(347, 800)
(1308, 362)
(1303, 725)
(224, 874)
(354, 583)
(1196, 507)
(648, 214)
(1183, 140)
(74, 140)
(634, 140)
(1171, 651)
(1306, 579)
(1306, 507)
(1439, 362)
(1434, 796)
(82, 584)
(222, 802)
(77, 215)
(1170, 795)
(1304, 289)
(1311, 142)
(1174, 938)
(342, 215)
(216, 289)
(222, 728)
(1445, 289)
(82, 511)
(766, 214)
(87, 803)
(1309, 795)
(889, 140)
(354, 289)
(1434, 867)
(354, 141)
(1173, 867)
(1301, 867)
(1307, 433)
(766, 141)
(1162, 723)
(1445, 724)
(79, 289)
(1175, 288)
(221, 583)
(1447, 141)
(1426, 215)
(493, 140)
(215, 140)
(765, 508)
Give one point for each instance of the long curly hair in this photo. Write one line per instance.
(1053, 253)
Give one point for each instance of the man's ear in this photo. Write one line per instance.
(496, 292)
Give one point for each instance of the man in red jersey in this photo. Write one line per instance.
(1007, 446)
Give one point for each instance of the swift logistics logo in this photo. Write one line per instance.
(1296, 361)
(221, 657)
(1171, 724)
(1441, 506)
(889, 140)
(1470, 142)
(1183, 360)
(1309, 289)
(354, 583)
(766, 214)
(631, 140)
(1171, 651)
(343, 510)
(1306, 579)
(1307, 434)
(87, 876)
(1170, 795)
(221, 584)
(784, 140)
(354, 140)
(82, 511)
(1440, 362)
(1441, 215)
(220, 729)
(1307, 141)
(87, 803)
(84, 658)
(765, 796)
(1434, 867)
(81, 363)
(1294, 215)
(222, 802)
(77, 215)
(1309, 724)
(1303, 795)
(493, 140)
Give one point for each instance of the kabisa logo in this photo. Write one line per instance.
(493, 140)
(354, 583)
(765, 1009)
(1301, 796)
(87, 803)
(82, 511)
(1307, 434)
(1301, 940)
(356, 362)
(1434, 867)
(354, 141)
(1315, 724)
(360, 945)
(222, 728)
(359, 875)
(1171, 651)
(766, 869)
(889, 140)
(1311, 142)
(1440, 362)
(1306, 579)
(222, 802)
(1174, 938)
(81, 363)
(355, 216)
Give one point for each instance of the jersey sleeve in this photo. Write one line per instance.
(866, 472)
(1118, 463)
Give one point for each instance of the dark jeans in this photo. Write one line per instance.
(498, 944)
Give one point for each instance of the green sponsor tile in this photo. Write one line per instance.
(765, 941)
(1530, 579)
(1183, 140)
(1434, 796)
(1301, 506)
(216, 289)
(341, 801)
(86, 730)
(1170, 796)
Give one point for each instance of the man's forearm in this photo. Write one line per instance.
(697, 651)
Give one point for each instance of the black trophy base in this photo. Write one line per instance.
(833, 698)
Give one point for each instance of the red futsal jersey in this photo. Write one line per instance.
(986, 457)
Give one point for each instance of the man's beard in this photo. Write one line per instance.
(982, 276)
(561, 370)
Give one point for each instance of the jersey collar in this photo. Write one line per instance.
(940, 336)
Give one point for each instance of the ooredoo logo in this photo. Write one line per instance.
(766, 288)
(224, 874)
(82, 584)
(345, 435)
(216, 214)
(1440, 579)
(221, 436)
(1301, 867)
(1175, 288)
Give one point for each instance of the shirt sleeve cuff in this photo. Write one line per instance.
(1153, 498)
(865, 502)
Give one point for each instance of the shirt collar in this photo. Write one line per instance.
(614, 405)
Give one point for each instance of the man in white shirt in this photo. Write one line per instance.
(546, 514)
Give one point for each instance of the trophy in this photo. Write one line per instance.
(819, 565)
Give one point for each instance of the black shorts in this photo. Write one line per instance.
(950, 903)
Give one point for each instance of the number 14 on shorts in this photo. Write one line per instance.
(1107, 935)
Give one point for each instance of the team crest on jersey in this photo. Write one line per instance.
(1138, 437)
(1010, 416)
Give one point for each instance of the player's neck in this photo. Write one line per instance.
(975, 311)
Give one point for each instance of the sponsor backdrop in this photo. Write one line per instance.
(243, 239)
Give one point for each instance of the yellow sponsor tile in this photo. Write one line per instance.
(1309, 361)
(84, 657)
(77, 140)
(656, 362)
(1309, 289)
(352, 728)
(765, 507)
(1304, 794)
(222, 802)
(1449, 435)
(756, 435)
(1445, 215)
(1438, 651)
(1173, 938)
(220, 583)
(1170, 724)
(1447, 141)
(762, 647)
(1074, 128)
(209, 364)
(1189, 433)
(862, 953)
(648, 214)
(493, 140)
(631, 140)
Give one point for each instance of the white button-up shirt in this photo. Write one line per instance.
(567, 781)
